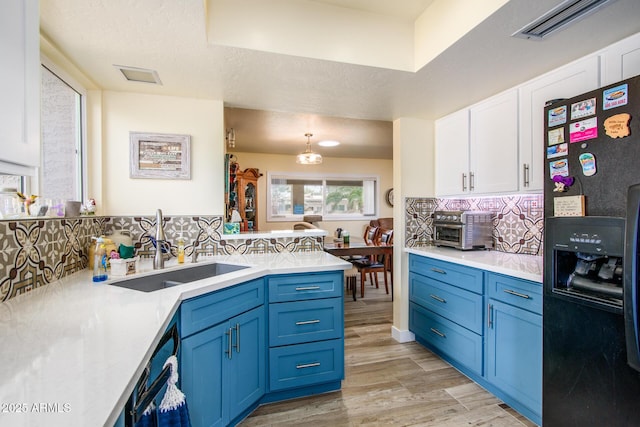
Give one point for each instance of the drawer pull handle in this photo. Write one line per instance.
(437, 298)
(518, 294)
(308, 322)
(307, 288)
(308, 365)
(437, 332)
(437, 270)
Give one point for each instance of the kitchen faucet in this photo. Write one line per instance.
(158, 259)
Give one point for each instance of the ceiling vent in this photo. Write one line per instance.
(142, 75)
(565, 13)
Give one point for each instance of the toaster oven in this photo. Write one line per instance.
(464, 230)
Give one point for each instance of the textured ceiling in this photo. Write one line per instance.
(170, 37)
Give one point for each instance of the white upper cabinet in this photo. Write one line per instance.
(452, 154)
(620, 60)
(477, 148)
(20, 83)
(565, 82)
(493, 145)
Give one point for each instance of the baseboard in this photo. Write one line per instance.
(402, 336)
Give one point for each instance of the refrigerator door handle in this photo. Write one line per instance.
(630, 283)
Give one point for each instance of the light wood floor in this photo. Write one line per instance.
(390, 384)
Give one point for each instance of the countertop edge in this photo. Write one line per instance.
(526, 267)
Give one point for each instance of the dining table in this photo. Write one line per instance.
(358, 247)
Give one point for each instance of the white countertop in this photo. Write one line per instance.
(73, 350)
(528, 267)
(274, 234)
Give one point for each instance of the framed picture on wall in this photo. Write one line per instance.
(159, 155)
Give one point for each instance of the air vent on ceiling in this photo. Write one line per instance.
(142, 75)
(565, 13)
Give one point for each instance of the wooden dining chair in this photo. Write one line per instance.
(372, 265)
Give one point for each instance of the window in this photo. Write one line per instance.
(61, 173)
(290, 197)
(61, 113)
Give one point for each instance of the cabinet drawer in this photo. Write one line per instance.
(458, 305)
(305, 321)
(296, 287)
(306, 364)
(518, 292)
(202, 312)
(453, 274)
(454, 341)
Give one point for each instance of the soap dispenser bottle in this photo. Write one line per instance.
(180, 250)
(100, 261)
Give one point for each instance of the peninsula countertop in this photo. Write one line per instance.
(527, 267)
(72, 350)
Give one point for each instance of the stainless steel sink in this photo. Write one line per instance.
(167, 279)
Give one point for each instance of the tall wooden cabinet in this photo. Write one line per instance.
(247, 186)
(241, 194)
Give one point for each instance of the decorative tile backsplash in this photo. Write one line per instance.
(35, 252)
(517, 226)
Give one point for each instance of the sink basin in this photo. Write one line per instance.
(167, 279)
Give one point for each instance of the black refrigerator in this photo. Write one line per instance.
(591, 365)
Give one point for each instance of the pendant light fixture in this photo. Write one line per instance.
(309, 157)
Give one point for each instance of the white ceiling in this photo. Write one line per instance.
(300, 94)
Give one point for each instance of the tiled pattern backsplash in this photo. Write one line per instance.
(517, 225)
(35, 252)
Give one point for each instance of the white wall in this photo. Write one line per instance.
(446, 21)
(331, 165)
(413, 176)
(333, 33)
(123, 112)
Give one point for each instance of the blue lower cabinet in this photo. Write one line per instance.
(487, 325)
(304, 365)
(224, 369)
(447, 338)
(306, 334)
(514, 356)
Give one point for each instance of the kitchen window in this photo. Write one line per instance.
(62, 123)
(62, 110)
(335, 197)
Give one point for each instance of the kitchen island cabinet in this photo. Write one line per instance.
(487, 324)
(20, 86)
(223, 360)
(306, 334)
(101, 337)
